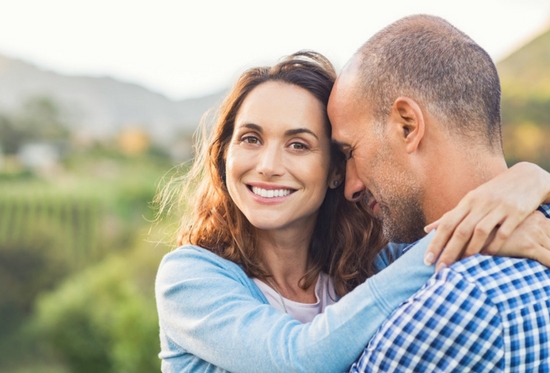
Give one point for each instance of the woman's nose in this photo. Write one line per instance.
(271, 162)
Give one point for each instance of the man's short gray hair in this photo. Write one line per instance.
(429, 60)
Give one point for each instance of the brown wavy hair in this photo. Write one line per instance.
(346, 237)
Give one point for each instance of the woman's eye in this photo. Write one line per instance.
(349, 155)
(251, 140)
(298, 146)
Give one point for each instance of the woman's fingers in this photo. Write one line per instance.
(464, 243)
(430, 227)
(455, 231)
(543, 255)
(531, 239)
(503, 232)
(486, 217)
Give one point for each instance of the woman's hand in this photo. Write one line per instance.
(531, 239)
(486, 217)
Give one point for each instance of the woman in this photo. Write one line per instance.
(272, 240)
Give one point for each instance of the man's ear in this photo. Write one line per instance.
(408, 122)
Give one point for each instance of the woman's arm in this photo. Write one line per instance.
(210, 308)
(486, 217)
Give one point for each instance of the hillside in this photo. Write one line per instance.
(101, 105)
(525, 78)
(527, 70)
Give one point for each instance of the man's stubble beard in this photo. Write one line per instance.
(404, 222)
(401, 214)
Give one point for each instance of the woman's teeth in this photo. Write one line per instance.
(271, 193)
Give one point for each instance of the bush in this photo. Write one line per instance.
(104, 319)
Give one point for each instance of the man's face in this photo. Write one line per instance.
(377, 168)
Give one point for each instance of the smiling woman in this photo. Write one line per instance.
(268, 169)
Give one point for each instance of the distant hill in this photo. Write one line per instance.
(527, 70)
(525, 78)
(101, 105)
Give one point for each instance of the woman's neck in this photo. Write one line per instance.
(285, 255)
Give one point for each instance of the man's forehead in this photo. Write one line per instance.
(346, 107)
(345, 93)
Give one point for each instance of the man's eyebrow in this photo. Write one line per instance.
(297, 131)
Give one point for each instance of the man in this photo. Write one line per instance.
(417, 110)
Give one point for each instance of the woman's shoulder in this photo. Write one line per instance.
(197, 270)
(195, 261)
(195, 257)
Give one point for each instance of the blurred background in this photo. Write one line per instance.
(98, 104)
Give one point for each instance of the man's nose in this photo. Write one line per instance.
(354, 189)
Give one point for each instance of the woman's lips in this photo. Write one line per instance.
(373, 204)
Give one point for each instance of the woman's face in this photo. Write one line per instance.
(277, 164)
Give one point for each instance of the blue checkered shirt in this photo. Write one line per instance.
(482, 314)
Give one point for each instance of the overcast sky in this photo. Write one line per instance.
(190, 48)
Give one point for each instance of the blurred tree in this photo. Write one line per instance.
(39, 120)
(104, 319)
(26, 270)
(11, 137)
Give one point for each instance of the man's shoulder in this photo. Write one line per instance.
(505, 278)
(507, 282)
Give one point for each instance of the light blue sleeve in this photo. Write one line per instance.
(208, 308)
(388, 255)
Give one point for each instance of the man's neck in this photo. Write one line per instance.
(453, 175)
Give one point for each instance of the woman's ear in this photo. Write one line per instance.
(408, 122)
(337, 176)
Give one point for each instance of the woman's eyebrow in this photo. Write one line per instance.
(292, 132)
(251, 126)
(297, 131)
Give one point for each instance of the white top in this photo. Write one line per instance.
(303, 312)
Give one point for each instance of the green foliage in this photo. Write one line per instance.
(52, 228)
(527, 108)
(11, 137)
(104, 319)
(36, 212)
(25, 271)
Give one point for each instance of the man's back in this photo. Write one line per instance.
(482, 314)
